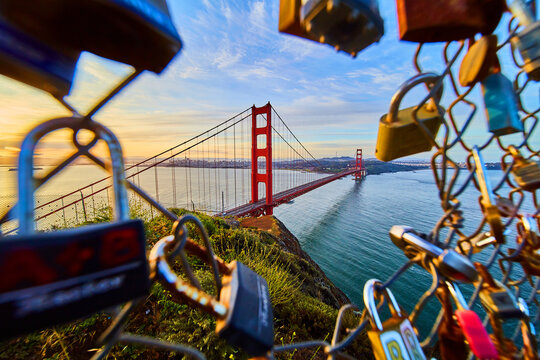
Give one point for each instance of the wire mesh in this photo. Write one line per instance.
(450, 176)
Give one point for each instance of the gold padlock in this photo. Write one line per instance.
(396, 337)
(526, 172)
(399, 135)
(289, 19)
(529, 245)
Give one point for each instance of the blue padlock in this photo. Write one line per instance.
(501, 105)
(140, 33)
(24, 59)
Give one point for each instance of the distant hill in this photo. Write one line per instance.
(339, 158)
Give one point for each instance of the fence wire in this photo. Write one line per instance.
(448, 231)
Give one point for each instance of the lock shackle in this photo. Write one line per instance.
(403, 236)
(181, 289)
(28, 184)
(424, 78)
(456, 294)
(181, 236)
(448, 262)
(370, 291)
(514, 152)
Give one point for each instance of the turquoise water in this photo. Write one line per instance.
(344, 227)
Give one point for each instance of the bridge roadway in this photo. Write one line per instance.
(255, 209)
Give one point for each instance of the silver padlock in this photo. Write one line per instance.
(449, 263)
(527, 41)
(396, 337)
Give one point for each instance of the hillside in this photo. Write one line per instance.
(305, 302)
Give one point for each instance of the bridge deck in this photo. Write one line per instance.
(284, 196)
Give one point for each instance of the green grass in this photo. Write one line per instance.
(297, 315)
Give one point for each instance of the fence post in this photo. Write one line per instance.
(93, 200)
(83, 207)
(64, 213)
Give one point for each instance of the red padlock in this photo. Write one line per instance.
(474, 331)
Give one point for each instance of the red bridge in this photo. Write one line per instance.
(245, 166)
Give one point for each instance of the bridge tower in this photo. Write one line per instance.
(360, 171)
(264, 112)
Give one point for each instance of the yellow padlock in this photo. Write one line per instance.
(399, 135)
(396, 337)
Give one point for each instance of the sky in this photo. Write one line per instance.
(233, 58)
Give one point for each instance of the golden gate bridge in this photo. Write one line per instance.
(244, 166)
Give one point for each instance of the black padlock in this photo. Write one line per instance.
(243, 309)
(54, 277)
(496, 298)
(249, 321)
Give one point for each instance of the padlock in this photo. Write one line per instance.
(55, 277)
(496, 298)
(433, 21)
(488, 202)
(527, 41)
(506, 206)
(526, 172)
(470, 324)
(399, 135)
(396, 337)
(527, 228)
(249, 320)
(500, 305)
(122, 30)
(500, 101)
(448, 262)
(479, 60)
(289, 19)
(529, 245)
(25, 59)
(243, 308)
(346, 25)
(452, 342)
(523, 11)
(528, 333)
